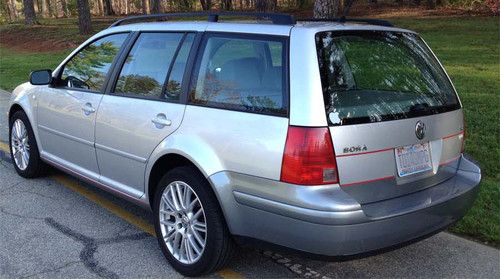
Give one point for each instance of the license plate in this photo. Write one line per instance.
(413, 159)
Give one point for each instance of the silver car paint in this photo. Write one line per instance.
(125, 137)
(66, 128)
(336, 233)
(242, 159)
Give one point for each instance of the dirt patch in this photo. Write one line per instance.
(36, 39)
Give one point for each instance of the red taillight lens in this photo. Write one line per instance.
(309, 158)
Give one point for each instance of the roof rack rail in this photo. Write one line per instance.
(275, 18)
(372, 21)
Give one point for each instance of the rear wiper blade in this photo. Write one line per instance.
(419, 107)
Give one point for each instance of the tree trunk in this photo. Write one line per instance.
(347, 7)
(206, 4)
(11, 6)
(58, 9)
(108, 8)
(155, 6)
(100, 3)
(226, 5)
(84, 23)
(45, 9)
(145, 7)
(261, 5)
(65, 9)
(431, 4)
(29, 12)
(326, 8)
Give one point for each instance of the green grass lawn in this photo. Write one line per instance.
(469, 48)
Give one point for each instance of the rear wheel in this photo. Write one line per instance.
(23, 147)
(189, 223)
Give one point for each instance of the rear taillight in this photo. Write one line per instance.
(309, 158)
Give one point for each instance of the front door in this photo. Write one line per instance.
(67, 111)
(142, 109)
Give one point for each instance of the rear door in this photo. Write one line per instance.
(394, 117)
(142, 108)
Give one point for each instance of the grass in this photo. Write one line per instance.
(468, 47)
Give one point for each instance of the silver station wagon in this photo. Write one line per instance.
(332, 138)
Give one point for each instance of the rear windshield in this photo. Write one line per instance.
(372, 76)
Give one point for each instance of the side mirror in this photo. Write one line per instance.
(41, 77)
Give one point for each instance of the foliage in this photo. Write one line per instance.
(469, 49)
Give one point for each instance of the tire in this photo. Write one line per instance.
(218, 245)
(33, 166)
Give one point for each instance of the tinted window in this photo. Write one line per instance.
(89, 67)
(173, 87)
(241, 74)
(371, 76)
(147, 64)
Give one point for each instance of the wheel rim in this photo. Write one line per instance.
(182, 222)
(20, 145)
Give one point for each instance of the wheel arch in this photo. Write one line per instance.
(162, 165)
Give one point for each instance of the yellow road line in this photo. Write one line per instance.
(131, 218)
(4, 147)
(228, 273)
(74, 185)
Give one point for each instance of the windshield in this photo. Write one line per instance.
(372, 76)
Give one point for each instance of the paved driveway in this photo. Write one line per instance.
(59, 227)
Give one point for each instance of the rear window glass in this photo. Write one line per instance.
(372, 76)
(244, 74)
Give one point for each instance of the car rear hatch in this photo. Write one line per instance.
(394, 117)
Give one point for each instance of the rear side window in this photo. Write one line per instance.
(372, 76)
(241, 73)
(145, 69)
(176, 74)
(89, 67)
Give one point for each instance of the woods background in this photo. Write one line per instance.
(31, 10)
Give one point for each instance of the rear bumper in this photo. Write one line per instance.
(325, 220)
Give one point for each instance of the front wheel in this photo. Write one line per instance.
(189, 223)
(23, 147)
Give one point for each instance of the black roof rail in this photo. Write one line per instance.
(275, 18)
(372, 21)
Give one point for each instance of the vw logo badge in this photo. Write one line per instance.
(420, 130)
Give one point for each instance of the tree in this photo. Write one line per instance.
(155, 6)
(45, 9)
(65, 9)
(10, 9)
(206, 4)
(226, 5)
(326, 8)
(29, 12)
(108, 8)
(145, 7)
(84, 23)
(329, 9)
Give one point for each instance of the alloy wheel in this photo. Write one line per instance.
(20, 144)
(182, 222)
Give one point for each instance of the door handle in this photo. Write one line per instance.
(161, 121)
(88, 109)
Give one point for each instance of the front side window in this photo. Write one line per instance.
(147, 64)
(89, 67)
(241, 74)
(372, 76)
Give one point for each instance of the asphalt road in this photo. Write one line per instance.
(59, 227)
